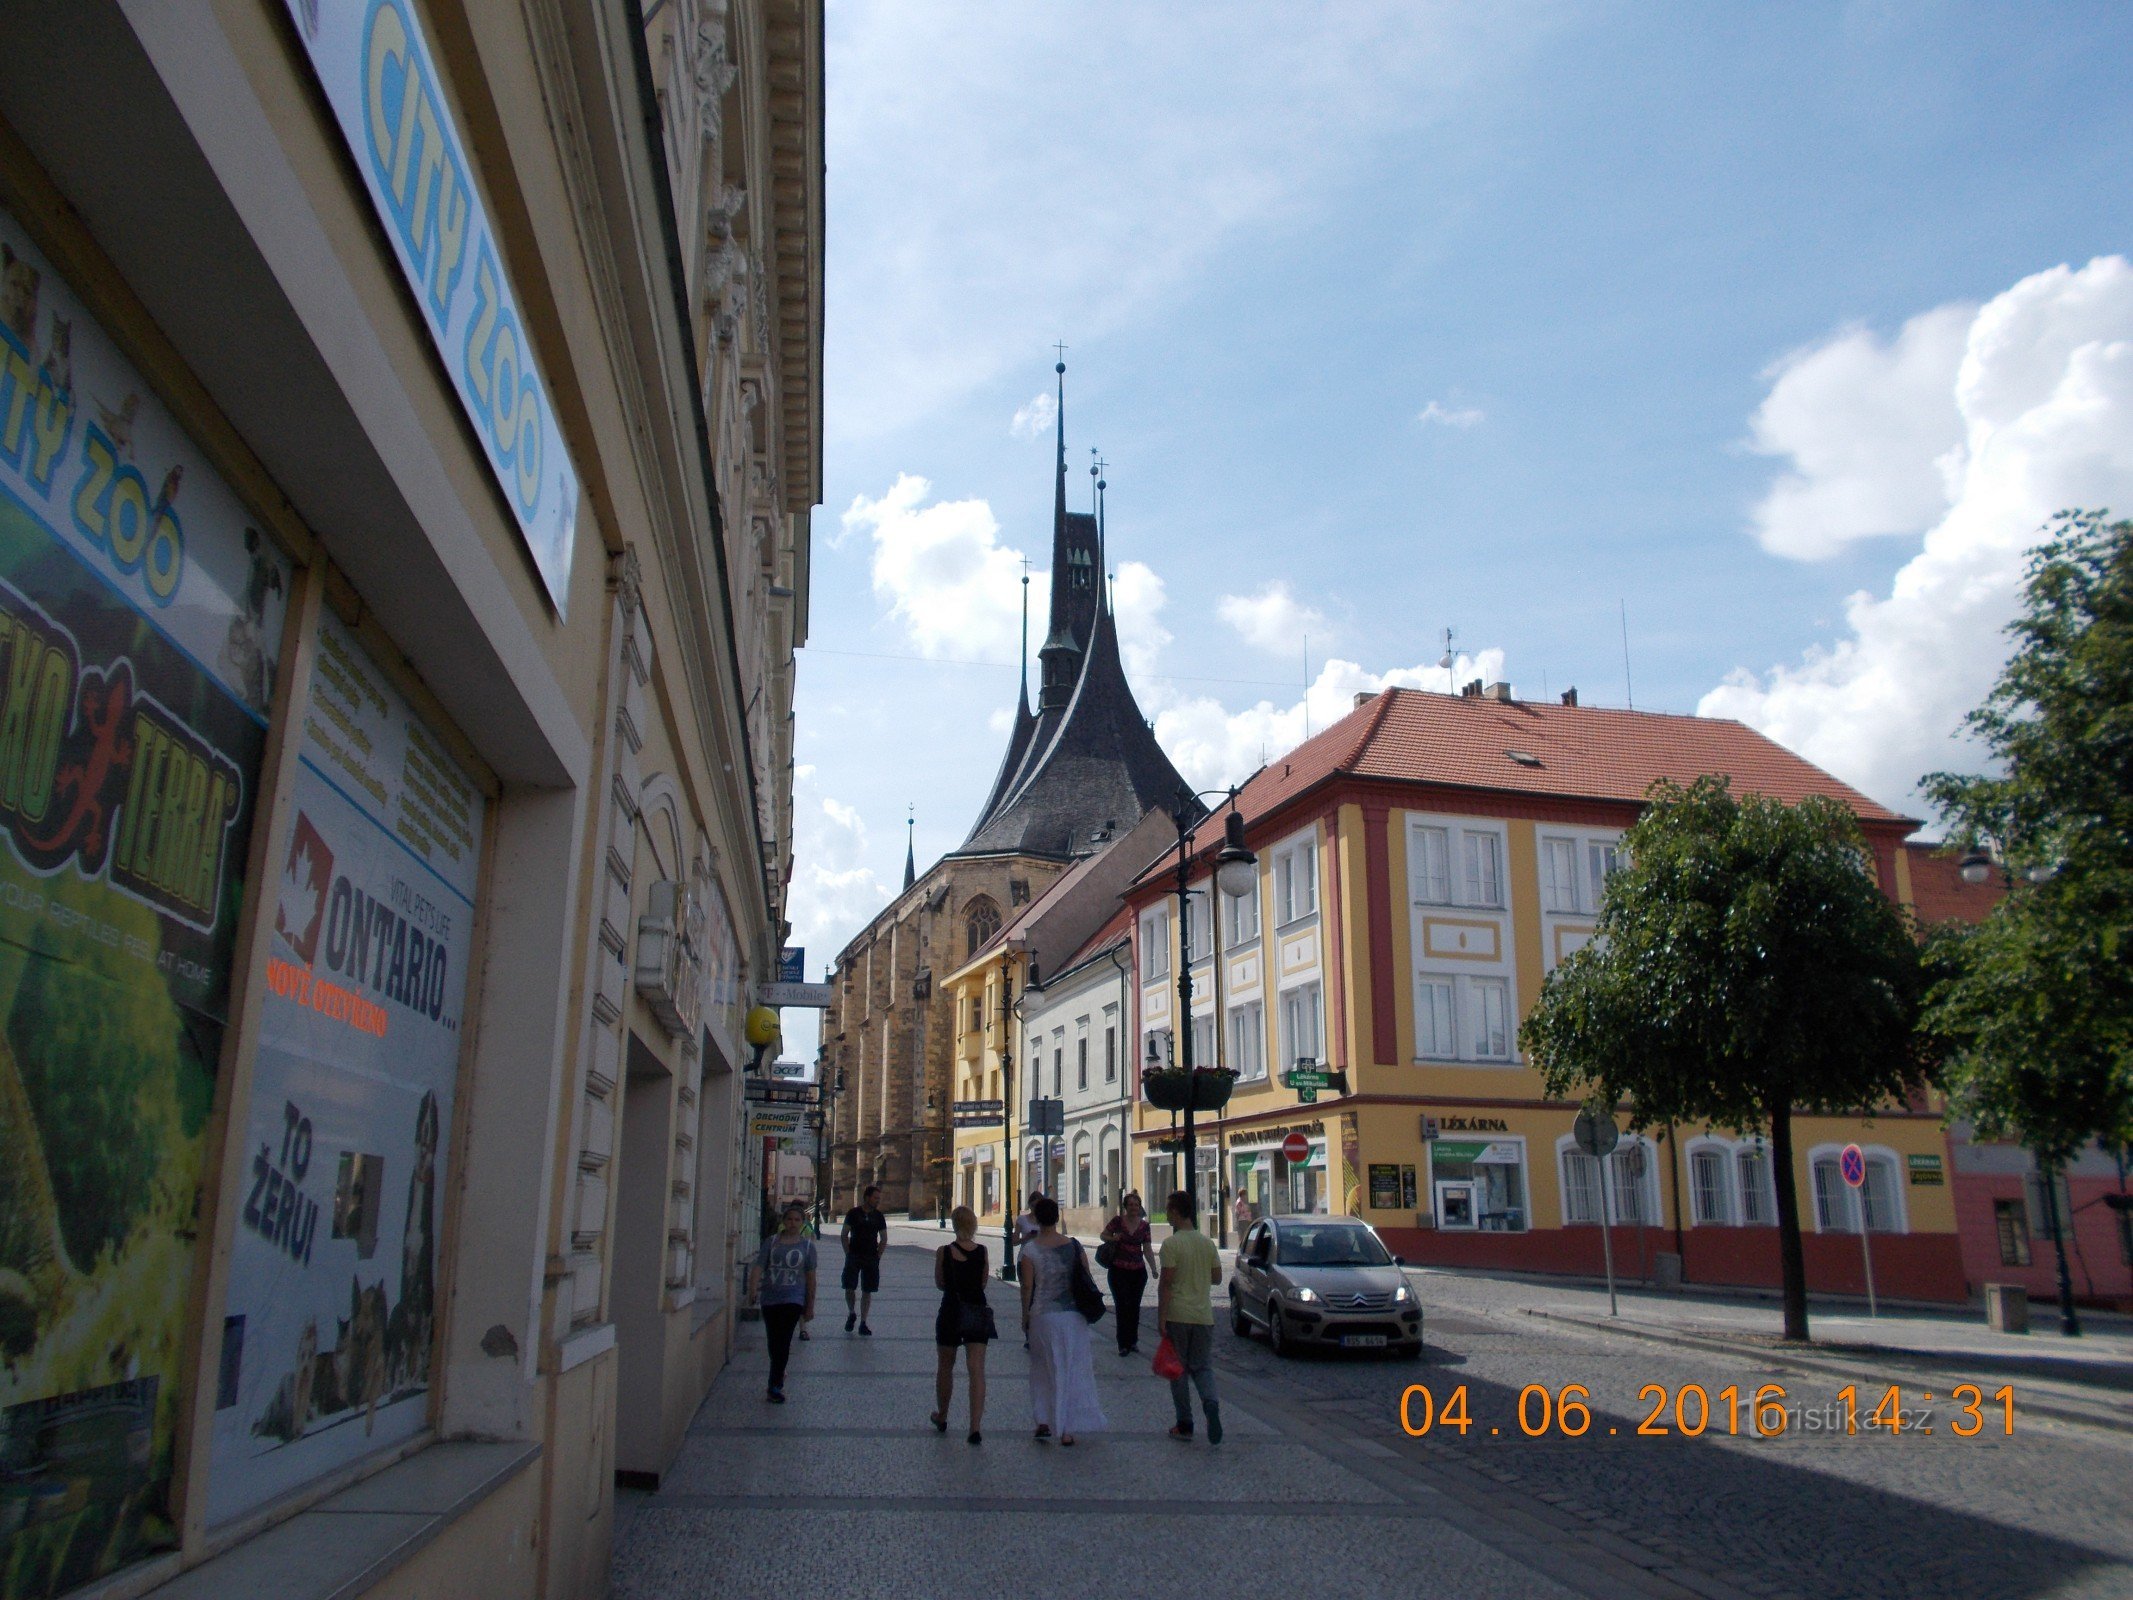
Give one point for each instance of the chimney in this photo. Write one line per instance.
(1363, 697)
(1570, 696)
(1470, 691)
(1499, 691)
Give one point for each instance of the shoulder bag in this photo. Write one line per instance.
(1088, 1299)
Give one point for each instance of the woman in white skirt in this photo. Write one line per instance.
(1062, 1372)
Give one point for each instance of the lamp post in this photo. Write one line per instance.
(1976, 868)
(1007, 1127)
(1236, 871)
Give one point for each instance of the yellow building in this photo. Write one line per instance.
(1423, 865)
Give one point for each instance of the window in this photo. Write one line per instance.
(1084, 1174)
(1707, 1187)
(1834, 1211)
(1296, 880)
(1581, 1186)
(1058, 1059)
(1300, 1039)
(1628, 1165)
(1879, 1196)
(1481, 875)
(1081, 1058)
(1602, 861)
(1832, 1205)
(1198, 946)
(1758, 1208)
(1436, 1036)
(1247, 1040)
(2010, 1220)
(1559, 874)
(981, 920)
(1203, 1040)
(1432, 866)
(1241, 924)
(1110, 1044)
(1155, 945)
(1492, 1019)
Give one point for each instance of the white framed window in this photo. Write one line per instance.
(1198, 943)
(1492, 1018)
(1430, 865)
(1881, 1199)
(1240, 918)
(1581, 1184)
(1481, 868)
(1833, 1207)
(1559, 874)
(1155, 944)
(1058, 1060)
(1081, 1053)
(1110, 1044)
(1247, 1040)
(1602, 861)
(1296, 879)
(1301, 1038)
(1436, 1028)
(1203, 1040)
(1751, 1170)
(1631, 1173)
(1709, 1197)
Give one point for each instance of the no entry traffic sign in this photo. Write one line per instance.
(1296, 1147)
(1852, 1163)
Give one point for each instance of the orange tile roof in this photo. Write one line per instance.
(1551, 750)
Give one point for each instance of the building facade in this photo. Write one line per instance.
(1081, 770)
(1424, 864)
(412, 431)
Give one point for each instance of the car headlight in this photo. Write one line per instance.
(1303, 1296)
(1403, 1296)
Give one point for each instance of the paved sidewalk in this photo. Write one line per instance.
(847, 1490)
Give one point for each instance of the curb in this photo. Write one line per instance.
(2119, 1421)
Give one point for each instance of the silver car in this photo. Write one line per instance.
(1323, 1281)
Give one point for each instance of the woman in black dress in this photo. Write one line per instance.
(964, 1319)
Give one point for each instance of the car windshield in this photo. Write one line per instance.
(1332, 1247)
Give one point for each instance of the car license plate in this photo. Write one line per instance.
(1362, 1341)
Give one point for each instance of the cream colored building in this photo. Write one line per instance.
(410, 423)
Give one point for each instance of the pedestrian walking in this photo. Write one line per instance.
(1026, 1224)
(781, 1280)
(1062, 1373)
(1191, 1267)
(1242, 1213)
(1127, 1240)
(865, 1234)
(964, 1320)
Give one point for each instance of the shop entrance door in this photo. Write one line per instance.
(1455, 1205)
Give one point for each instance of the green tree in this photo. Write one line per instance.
(2033, 1009)
(1747, 968)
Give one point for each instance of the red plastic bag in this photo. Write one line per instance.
(1168, 1364)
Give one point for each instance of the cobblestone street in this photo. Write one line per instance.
(847, 1490)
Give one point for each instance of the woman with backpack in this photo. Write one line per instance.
(1124, 1255)
(964, 1320)
(1056, 1300)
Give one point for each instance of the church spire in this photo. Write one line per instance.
(911, 847)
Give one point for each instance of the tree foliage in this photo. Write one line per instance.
(2034, 1008)
(1747, 967)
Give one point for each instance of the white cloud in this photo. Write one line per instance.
(1273, 619)
(1214, 746)
(2044, 394)
(1872, 431)
(943, 573)
(983, 204)
(1138, 597)
(1438, 415)
(1035, 419)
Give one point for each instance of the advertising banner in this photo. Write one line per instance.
(333, 1281)
(140, 621)
(380, 77)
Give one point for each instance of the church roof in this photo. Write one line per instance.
(1085, 766)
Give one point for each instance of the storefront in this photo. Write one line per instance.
(1479, 1185)
(1270, 1183)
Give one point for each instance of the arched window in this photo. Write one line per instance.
(982, 920)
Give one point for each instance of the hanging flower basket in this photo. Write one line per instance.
(1173, 1088)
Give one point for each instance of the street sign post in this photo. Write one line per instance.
(1851, 1161)
(1296, 1148)
(1597, 1136)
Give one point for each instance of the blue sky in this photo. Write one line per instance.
(1389, 318)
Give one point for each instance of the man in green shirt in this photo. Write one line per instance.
(1191, 1266)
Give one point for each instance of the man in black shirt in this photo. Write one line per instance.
(866, 1232)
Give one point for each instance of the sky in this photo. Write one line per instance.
(1715, 359)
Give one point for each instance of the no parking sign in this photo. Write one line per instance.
(1851, 1161)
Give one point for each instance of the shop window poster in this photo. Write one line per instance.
(140, 619)
(333, 1297)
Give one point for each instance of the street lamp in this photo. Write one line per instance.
(1979, 865)
(1236, 870)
